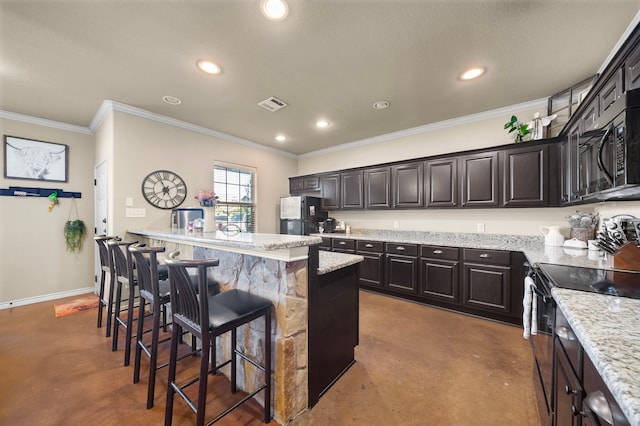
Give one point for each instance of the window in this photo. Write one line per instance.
(235, 188)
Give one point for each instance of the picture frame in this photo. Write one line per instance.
(31, 159)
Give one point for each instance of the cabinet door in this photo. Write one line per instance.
(589, 118)
(610, 92)
(568, 392)
(371, 269)
(311, 183)
(487, 287)
(407, 180)
(570, 168)
(439, 279)
(402, 273)
(441, 181)
(525, 177)
(632, 70)
(330, 191)
(479, 175)
(377, 188)
(296, 185)
(351, 193)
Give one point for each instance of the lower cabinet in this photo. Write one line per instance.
(401, 265)
(372, 267)
(439, 271)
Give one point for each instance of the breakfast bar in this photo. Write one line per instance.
(304, 287)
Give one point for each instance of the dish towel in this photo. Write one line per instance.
(530, 309)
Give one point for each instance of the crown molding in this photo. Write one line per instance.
(458, 121)
(107, 106)
(44, 122)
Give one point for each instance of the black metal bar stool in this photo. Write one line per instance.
(106, 267)
(206, 318)
(124, 278)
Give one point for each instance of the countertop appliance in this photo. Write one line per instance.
(181, 217)
(300, 215)
(609, 154)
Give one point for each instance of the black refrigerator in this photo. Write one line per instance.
(300, 215)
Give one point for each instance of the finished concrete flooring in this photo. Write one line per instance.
(415, 365)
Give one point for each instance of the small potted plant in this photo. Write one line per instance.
(522, 129)
(583, 225)
(75, 232)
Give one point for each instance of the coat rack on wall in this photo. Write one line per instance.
(20, 191)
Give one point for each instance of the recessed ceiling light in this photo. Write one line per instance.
(276, 10)
(322, 124)
(472, 73)
(172, 100)
(381, 105)
(208, 67)
(281, 138)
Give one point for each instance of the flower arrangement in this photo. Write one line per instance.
(206, 198)
(583, 220)
(521, 129)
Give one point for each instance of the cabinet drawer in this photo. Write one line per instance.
(326, 242)
(370, 246)
(343, 244)
(436, 252)
(401, 248)
(494, 257)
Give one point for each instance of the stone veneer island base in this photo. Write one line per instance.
(315, 300)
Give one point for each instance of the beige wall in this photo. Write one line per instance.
(33, 258)
(463, 134)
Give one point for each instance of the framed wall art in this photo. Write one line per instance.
(35, 160)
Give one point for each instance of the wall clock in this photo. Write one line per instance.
(164, 189)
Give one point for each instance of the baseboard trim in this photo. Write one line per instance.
(45, 298)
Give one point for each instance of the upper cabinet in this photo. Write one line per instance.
(610, 92)
(330, 191)
(407, 180)
(377, 188)
(526, 176)
(479, 179)
(441, 182)
(632, 70)
(304, 184)
(351, 191)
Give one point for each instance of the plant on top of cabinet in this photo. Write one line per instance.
(521, 129)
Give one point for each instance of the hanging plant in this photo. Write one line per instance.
(74, 230)
(74, 233)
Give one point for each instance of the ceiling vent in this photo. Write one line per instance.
(273, 104)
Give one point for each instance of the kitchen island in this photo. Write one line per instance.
(304, 287)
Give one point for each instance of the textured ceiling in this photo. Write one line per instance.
(331, 59)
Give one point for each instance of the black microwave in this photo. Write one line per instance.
(609, 155)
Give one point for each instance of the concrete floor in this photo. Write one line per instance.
(415, 365)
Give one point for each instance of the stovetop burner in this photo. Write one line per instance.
(603, 281)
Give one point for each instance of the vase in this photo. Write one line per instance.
(552, 235)
(583, 234)
(209, 219)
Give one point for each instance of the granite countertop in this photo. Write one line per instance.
(608, 327)
(532, 246)
(242, 240)
(330, 261)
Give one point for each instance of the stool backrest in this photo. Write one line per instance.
(187, 309)
(122, 260)
(146, 263)
(103, 251)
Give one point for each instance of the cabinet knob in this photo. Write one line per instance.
(568, 390)
(437, 252)
(368, 245)
(484, 255)
(575, 411)
(400, 248)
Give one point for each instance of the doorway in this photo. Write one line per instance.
(101, 220)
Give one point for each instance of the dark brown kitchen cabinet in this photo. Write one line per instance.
(441, 182)
(632, 70)
(377, 188)
(480, 179)
(610, 92)
(568, 390)
(401, 266)
(570, 188)
(486, 280)
(330, 191)
(439, 271)
(526, 176)
(352, 190)
(372, 267)
(302, 184)
(325, 244)
(343, 245)
(407, 182)
(589, 117)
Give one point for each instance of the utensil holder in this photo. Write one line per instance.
(627, 258)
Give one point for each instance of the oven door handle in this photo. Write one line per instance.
(601, 166)
(545, 297)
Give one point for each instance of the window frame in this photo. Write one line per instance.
(224, 208)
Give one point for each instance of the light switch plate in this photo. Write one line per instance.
(128, 201)
(140, 212)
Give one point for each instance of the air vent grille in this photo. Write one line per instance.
(273, 104)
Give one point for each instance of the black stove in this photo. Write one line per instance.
(603, 281)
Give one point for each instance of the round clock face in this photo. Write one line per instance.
(164, 189)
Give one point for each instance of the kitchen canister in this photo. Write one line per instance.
(552, 235)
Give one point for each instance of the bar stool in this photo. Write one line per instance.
(106, 267)
(206, 318)
(156, 293)
(123, 277)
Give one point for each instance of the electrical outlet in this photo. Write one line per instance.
(141, 212)
(396, 225)
(481, 227)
